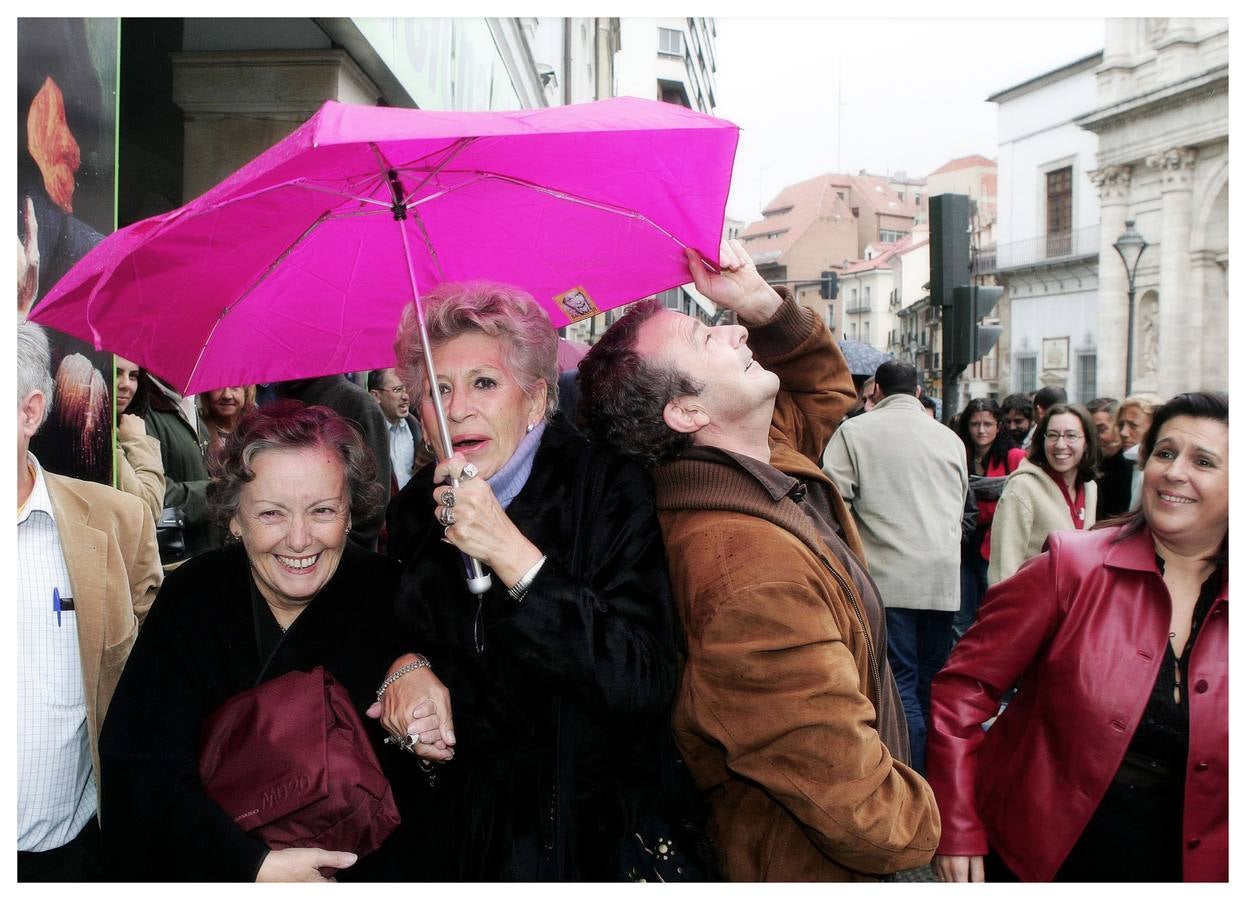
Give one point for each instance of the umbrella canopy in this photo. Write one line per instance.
(300, 263)
(862, 358)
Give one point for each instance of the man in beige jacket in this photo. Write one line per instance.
(87, 572)
(904, 475)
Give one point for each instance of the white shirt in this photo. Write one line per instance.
(56, 791)
(401, 451)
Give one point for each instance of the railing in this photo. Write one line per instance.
(1046, 250)
(860, 306)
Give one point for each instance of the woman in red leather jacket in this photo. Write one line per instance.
(1111, 763)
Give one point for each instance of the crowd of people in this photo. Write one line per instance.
(733, 631)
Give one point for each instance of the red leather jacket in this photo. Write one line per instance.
(1083, 627)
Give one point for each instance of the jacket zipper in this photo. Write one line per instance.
(869, 643)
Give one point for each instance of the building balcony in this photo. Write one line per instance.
(1048, 250)
(855, 308)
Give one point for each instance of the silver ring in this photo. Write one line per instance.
(446, 516)
(469, 471)
(448, 499)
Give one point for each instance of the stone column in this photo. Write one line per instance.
(1113, 309)
(1209, 270)
(239, 103)
(1180, 353)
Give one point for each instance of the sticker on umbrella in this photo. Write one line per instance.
(577, 304)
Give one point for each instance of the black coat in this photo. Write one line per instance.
(185, 472)
(561, 714)
(197, 648)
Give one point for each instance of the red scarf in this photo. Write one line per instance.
(1076, 502)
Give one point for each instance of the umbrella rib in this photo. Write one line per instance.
(458, 148)
(428, 242)
(294, 245)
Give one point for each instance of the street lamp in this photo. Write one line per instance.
(1130, 246)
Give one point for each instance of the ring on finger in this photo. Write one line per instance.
(446, 516)
(469, 471)
(448, 499)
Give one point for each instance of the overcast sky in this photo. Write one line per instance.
(913, 92)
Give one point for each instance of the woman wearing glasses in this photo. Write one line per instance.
(1052, 490)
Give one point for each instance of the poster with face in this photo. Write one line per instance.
(66, 172)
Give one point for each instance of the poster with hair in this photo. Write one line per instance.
(66, 176)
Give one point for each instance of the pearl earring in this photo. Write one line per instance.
(531, 426)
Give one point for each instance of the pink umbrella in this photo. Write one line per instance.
(300, 263)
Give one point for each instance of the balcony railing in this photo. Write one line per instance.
(1050, 249)
(857, 306)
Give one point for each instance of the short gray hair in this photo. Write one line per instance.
(34, 365)
(501, 311)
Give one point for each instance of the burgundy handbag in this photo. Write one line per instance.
(289, 762)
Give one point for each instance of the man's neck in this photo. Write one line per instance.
(25, 479)
(749, 438)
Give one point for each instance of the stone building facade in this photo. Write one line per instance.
(1163, 161)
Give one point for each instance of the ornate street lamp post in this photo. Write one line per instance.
(1130, 246)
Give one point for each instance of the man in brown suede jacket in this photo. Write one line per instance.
(787, 713)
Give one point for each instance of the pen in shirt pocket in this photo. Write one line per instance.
(60, 604)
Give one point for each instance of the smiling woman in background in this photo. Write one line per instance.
(222, 409)
(1053, 489)
(562, 674)
(1112, 761)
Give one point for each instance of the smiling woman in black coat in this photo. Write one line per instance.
(291, 478)
(561, 676)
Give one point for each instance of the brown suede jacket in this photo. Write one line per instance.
(777, 714)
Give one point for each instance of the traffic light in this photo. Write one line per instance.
(949, 247)
(971, 340)
(829, 287)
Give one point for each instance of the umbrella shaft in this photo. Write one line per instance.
(477, 582)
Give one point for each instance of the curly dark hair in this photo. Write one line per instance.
(291, 425)
(1018, 403)
(997, 453)
(623, 395)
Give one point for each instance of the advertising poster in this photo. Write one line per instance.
(66, 154)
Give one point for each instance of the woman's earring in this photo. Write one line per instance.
(531, 426)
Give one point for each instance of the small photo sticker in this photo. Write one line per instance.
(577, 304)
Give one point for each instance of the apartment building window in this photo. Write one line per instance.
(670, 42)
(1060, 212)
(852, 328)
(867, 295)
(1027, 374)
(1087, 375)
(854, 297)
(890, 236)
(830, 317)
(865, 330)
